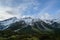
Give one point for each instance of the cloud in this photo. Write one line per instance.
(22, 8)
(10, 8)
(4, 14)
(5, 2)
(45, 16)
(27, 7)
(57, 15)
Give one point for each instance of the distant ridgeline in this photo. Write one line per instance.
(29, 29)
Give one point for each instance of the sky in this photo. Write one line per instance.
(43, 9)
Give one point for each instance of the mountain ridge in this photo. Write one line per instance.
(28, 21)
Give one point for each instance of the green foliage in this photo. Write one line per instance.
(9, 35)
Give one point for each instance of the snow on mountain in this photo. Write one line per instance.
(7, 22)
(28, 20)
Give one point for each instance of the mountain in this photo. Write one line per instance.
(29, 28)
(35, 24)
(5, 23)
(14, 24)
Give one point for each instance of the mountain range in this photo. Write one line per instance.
(13, 23)
(29, 28)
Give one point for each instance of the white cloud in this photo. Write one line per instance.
(7, 11)
(4, 14)
(18, 11)
(45, 16)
